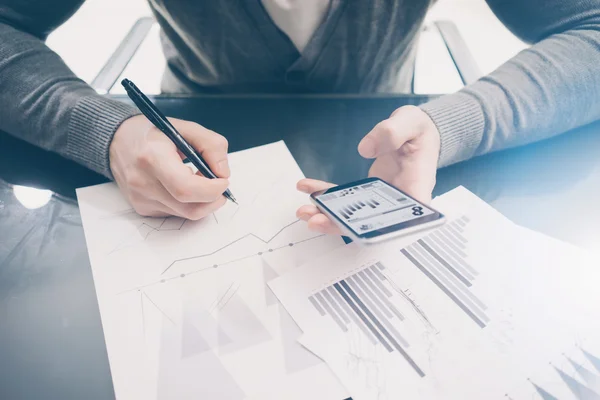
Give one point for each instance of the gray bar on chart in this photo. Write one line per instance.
(449, 245)
(441, 260)
(451, 229)
(370, 204)
(363, 317)
(461, 222)
(451, 236)
(380, 265)
(476, 305)
(386, 333)
(373, 293)
(335, 305)
(352, 315)
(373, 284)
(465, 218)
(351, 207)
(440, 244)
(316, 305)
(331, 312)
(457, 244)
(443, 288)
(380, 285)
(379, 274)
(458, 264)
(457, 226)
(376, 311)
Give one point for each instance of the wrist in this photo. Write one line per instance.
(92, 125)
(460, 124)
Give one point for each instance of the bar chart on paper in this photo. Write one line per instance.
(363, 299)
(477, 308)
(366, 298)
(441, 257)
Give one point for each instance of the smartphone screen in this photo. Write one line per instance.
(372, 207)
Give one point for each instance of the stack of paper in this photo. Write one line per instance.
(479, 308)
(185, 307)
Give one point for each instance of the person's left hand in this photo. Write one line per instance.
(406, 148)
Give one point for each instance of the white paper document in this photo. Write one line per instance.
(185, 306)
(477, 309)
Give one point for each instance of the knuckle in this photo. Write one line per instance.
(387, 128)
(134, 180)
(196, 213)
(145, 158)
(221, 141)
(181, 193)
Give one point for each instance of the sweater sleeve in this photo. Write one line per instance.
(41, 100)
(543, 91)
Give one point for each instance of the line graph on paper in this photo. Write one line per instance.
(179, 296)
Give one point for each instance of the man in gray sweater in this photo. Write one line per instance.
(343, 46)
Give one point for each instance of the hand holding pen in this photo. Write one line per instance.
(148, 167)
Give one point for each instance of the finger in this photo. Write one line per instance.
(196, 211)
(420, 192)
(152, 208)
(163, 200)
(212, 146)
(312, 185)
(321, 223)
(417, 179)
(306, 212)
(389, 135)
(181, 182)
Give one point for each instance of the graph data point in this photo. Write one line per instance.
(215, 266)
(162, 281)
(270, 250)
(291, 244)
(260, 253)
(182, 275)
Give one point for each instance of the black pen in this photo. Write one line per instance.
(161, 122)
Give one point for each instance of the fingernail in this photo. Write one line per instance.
(366, 147)
(223, 167)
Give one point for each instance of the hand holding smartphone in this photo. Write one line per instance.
(371, 210)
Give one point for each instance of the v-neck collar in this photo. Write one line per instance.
(282, 49)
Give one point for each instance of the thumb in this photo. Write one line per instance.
(405, 124)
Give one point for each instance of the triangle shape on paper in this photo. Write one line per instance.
(543, 394)
(577, 388)
(296, 356)
(192, 341)
(593, 359)
(590, 378)
(268, 275)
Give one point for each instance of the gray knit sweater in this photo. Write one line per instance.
(362, 46)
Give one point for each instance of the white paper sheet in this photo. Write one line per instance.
(185, 307)
(478, 309)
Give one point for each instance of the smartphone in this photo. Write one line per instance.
(371, 210)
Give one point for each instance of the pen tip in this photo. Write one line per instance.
(233, 199)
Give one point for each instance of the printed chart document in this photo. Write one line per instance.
(477, 309)
(185, 306)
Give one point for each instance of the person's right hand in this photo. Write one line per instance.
(149, 170)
